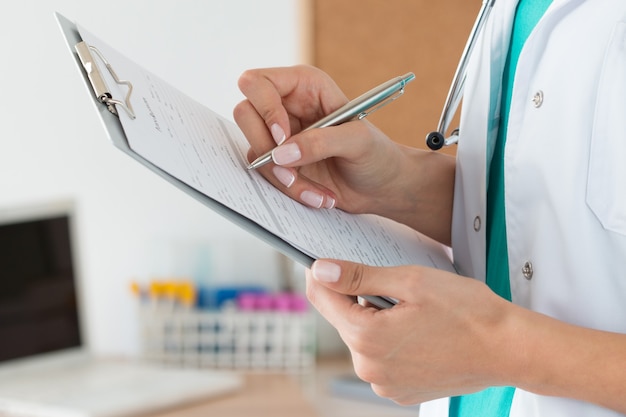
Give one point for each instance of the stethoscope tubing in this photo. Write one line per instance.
(436, 140)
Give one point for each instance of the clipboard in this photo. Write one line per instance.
(107, 114)
(90, 62)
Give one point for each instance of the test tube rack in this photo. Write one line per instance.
(269, 341)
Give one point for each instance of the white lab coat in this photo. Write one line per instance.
(565, 172)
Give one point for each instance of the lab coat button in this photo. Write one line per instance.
(477, 223)
(527, 270)
(538, 99)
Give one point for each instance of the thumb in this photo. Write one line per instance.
(352, 278)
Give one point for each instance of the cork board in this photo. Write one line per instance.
(362, 43)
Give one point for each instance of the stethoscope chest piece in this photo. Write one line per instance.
(437, 140)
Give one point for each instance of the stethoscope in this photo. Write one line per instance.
(437, 139)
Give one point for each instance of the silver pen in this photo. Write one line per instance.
(358, 109)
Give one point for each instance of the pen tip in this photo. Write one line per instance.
(260, 161)
(254, 165)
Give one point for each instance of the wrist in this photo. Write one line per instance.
(421, 193)
(515, 345)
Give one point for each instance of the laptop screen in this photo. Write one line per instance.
(38, 305)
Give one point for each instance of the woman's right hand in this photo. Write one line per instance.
(353, 166)
(345, 166)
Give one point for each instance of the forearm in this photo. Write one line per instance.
(563, 360)
(423, 193)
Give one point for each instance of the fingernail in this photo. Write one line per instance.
(330, 203)
(326, 271)
(277, 133)
(286, 154)
(284, 175)
(312, 199)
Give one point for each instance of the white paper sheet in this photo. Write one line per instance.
(208, 152)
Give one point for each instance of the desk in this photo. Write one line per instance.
(279, 395)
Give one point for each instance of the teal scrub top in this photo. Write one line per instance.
(496, 401)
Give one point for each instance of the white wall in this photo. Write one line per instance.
(131, 224)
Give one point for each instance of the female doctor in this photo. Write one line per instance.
(533, 205)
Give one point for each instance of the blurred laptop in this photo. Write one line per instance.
(45, 369)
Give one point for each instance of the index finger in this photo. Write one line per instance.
(264, 95)
(300, 94)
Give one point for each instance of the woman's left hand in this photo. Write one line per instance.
(448, 335)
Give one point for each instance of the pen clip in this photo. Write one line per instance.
(380, 105)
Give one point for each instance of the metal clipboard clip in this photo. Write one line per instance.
(97, 81)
